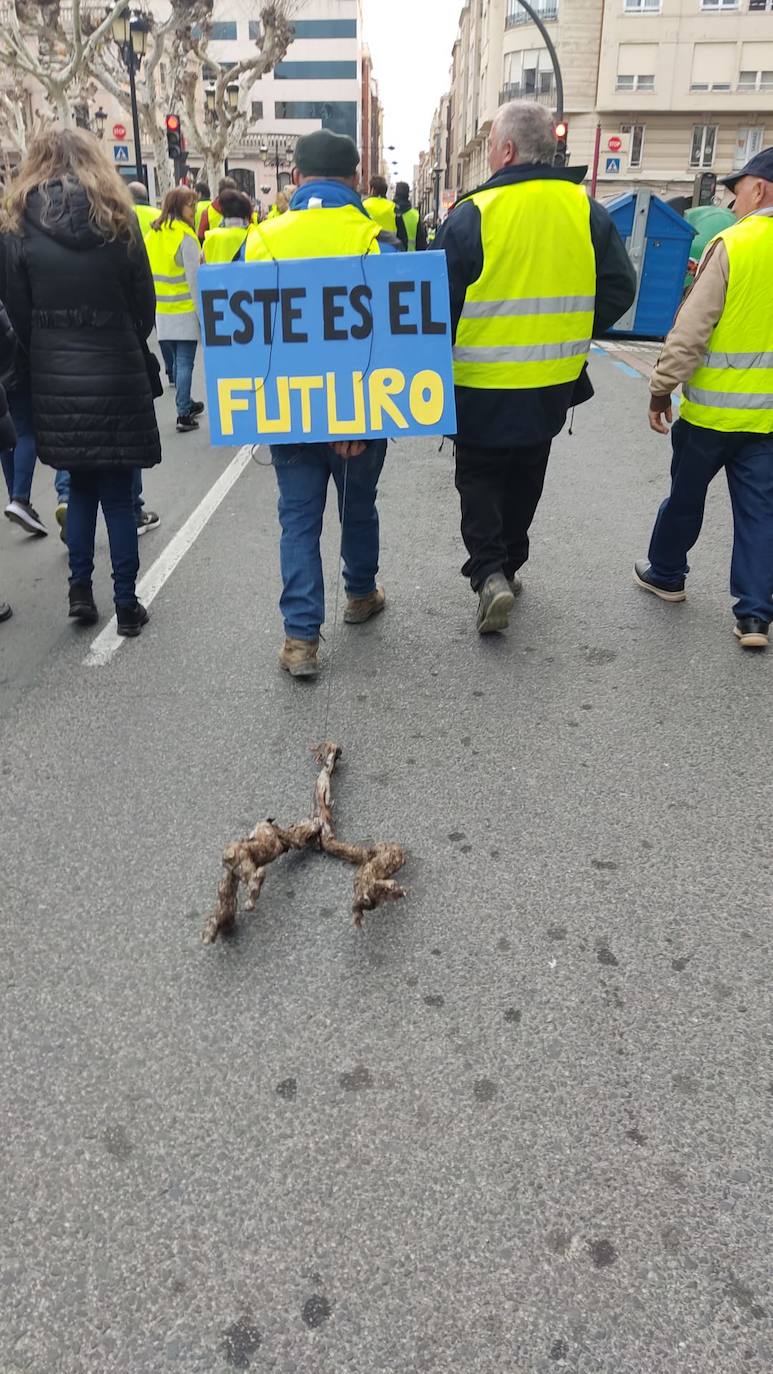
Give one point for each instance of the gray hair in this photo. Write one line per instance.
(529, 127)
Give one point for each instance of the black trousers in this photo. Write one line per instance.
(499, 490)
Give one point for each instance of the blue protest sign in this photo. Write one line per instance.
(315, 349)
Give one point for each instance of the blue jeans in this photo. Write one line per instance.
(62, 484)
(179, 357)
(302, 473)
(110, 488)
(19, 463)
(698, 455)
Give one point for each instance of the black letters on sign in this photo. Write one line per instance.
(290, 313)
(238, 302)
(397, 308)
(361, 297)
(428, 325)
(266, 298)
(212, 317)
(332, 311)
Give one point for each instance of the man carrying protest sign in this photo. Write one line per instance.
(326, 219)
(535, 269)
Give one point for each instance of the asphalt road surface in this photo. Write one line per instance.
(522, 1121)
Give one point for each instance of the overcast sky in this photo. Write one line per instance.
(410, 41)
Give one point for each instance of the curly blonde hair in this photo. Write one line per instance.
(74, 158)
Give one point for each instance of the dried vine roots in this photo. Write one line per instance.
(245, 862)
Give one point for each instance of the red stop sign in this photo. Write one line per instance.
(615, 144)
(119, 131)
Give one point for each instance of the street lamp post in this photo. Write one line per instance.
(281, 156)
(436, 173)
(130, 31)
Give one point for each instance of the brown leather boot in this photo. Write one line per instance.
(299, 657)
(361, 608)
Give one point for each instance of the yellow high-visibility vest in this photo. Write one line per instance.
(382, 211)
(322, 232)
(146, 215)
(173, 296)
(223, 244)
(201, 206)
(528, 319)
(732, 390)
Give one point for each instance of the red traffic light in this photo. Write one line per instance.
(172, 124)
(561, 129)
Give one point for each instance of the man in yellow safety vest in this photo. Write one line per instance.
(212, 214)
(721, 349)
(203, 202)
(410, 230)
(379, 207)
(326, 219)
(226, 243)
(145, 212)
(535, 268)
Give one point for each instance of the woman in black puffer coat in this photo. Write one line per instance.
(7, 431)
(81, 300)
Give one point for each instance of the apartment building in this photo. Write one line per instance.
(676, 86)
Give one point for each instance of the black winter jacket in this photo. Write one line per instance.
(7, 362)
(498, 418)
(82, 309)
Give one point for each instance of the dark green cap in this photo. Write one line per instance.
(325, 154)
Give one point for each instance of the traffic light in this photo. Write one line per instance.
(561, 132)
(174, 140)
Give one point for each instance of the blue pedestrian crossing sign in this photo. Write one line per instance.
(613, 164)
(120, 152)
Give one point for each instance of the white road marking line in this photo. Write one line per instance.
(108, 641)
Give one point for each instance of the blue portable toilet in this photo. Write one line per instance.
(658, 243)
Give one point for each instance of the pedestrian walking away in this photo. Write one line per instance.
(203, 201)
(208, 216)
(81, 300)
(410, 230)
(174, 254)
(17, 460)
(326, 219)
(535, 269)
(721, 349)
(8, 352)
(146, 213)
(226, 242)
(379, 206)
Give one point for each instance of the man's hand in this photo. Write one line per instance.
(660, 411)
(350, 449)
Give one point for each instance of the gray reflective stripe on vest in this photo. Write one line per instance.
(522, 353)
(528, 305)
(729, 400)
(176, 300)
(172, 281)
(738, 360)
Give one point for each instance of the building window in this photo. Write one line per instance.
(720, 4)
(222, 30)
(714, 66)
(748, 142)
(760, 5)
(338, 115)
(704, 140)
(636, 145)
(256, 109)
(755, 81)
(642, 6)
(325, 28)
(515, 13)
(635, 83)
(315, 71)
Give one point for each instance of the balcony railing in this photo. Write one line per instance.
(547, 13)
(517, 91)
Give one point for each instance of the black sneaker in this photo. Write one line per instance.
(642, 576)
(186, 423)
(82, 605)
(751, 633)
(197, 408)
(5, 611)
(24, 514)
(131, 618)
(148, 521)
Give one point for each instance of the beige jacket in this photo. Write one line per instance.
(696, 319)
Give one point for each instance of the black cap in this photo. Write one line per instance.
(325, 154)
(761, 165)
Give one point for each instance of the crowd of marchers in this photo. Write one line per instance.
(89, 269)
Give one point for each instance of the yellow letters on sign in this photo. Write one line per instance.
(355, 426)
(306, 385)
(282, 422)
(384, 383)
(227, 402)
(427, 397)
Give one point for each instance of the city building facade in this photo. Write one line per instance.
(673, 87)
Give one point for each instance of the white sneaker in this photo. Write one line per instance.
(22, 513)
